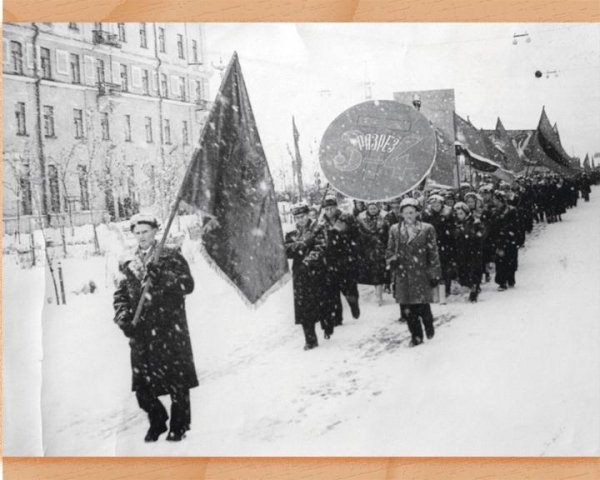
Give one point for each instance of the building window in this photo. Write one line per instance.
(46, 63)
(75, 69)
(199, 91)
(180, 45)
(16, 53)
(182, 88)
(161, 40)
(195, 51)
(54, 186)
(105, 126)
(143, 37)
(131, 184)
(21, 120)
(128, 128)
(73, 26)
(25, 190)
(124, 78)
(101, 71)
(149, 129)
(78, 121)
(167, 132)
(121, 32)
(48, 121)
(146, 81)
(164, 85)
(185, 135)
(84, 189)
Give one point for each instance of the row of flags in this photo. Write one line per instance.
(507, 153)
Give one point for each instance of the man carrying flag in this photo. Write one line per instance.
(229, 181)
(162, 362)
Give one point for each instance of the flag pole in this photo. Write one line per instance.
(158, 250)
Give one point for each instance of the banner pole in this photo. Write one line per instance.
(161, 244)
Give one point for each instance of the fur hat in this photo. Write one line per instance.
(500, 195)
(462, 206)
(435, 198)
(330, 201)
(142, 218)
(299, 208)
(409, 202)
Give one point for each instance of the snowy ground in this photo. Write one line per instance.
(516, 374)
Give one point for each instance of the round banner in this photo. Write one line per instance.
(377, 150)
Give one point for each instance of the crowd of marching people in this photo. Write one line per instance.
(418, 247)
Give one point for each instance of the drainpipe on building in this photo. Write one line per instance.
(38, 128)
(163, 208)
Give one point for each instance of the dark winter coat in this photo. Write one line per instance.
(468, 237)
(416, 264)
(161, 351)
(505, 235)
(443, 222)
(343, 250)
(373, 243)
(304, 247)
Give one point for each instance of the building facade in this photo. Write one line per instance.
(100, 119)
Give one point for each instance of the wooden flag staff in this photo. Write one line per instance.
(158, 250)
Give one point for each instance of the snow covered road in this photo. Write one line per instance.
(518, 373)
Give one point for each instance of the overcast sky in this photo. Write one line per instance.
(290, 68)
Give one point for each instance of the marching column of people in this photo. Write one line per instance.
(421, 248)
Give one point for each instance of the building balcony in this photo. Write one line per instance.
(108, 89)
(102, 37)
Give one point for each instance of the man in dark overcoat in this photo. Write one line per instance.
(342, 256)
(305, 246)
(504, 237)
(162, 361)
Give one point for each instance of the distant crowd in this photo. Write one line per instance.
(418, 245)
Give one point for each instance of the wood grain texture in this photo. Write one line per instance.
(304, 10)
(300, 468)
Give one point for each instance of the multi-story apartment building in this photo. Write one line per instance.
(99, 119)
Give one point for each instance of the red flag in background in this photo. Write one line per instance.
(503, 142)
(550, 141)
(229, 180)
(586, 163)
(298, 160)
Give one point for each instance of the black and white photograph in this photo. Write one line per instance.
(301, 239)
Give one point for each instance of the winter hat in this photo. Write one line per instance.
(409, 202)
(435, 198)
(487, 188)
(142, 218)
(330, 201)
(450, 195)
(299, 208)
(472, 195)
(500, 195)
(462, 206)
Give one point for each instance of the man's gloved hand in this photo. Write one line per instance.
(153, 271)
(434, 282)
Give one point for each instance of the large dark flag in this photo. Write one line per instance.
(530, 150)
(503, 142)
(472, 144)
(586, 163)
(230, 182)
(550, 141)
